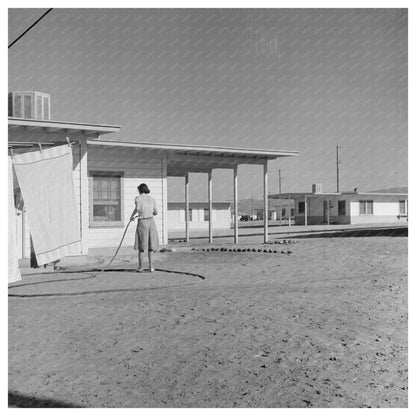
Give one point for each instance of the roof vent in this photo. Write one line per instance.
(317, 188)
(30, 104)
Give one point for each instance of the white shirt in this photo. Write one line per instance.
(145, 205)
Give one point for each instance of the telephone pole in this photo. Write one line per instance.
(252, 207)
(280, 184)
(337, 170)
(280, 199)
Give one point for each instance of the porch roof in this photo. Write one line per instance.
(183, 159)
(52, 126)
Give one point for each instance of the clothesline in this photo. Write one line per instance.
(36, 144)
(27, 145)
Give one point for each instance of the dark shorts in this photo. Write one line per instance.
(147, 238)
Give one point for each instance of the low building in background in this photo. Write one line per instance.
(349, 207)
(198, 216)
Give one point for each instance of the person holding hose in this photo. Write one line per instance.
(146, 233)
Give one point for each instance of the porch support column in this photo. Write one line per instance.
(210, 205)
(187, 207)
(306, 211)
(266, 202)
(327, 210)
(235, 204)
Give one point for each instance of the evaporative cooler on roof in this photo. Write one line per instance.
(30, 104)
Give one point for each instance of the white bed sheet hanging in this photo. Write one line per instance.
(46, 180)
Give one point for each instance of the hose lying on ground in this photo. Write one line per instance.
(93, 273)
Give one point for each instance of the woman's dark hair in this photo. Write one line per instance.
(143, 189)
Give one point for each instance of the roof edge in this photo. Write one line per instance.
(196, 148)
(102, 128)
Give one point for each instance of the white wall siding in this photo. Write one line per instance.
(136, 167)
(354, 208)
(386, 208)
(221, 216)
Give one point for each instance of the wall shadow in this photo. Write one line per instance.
(386, 232)
(23, 400)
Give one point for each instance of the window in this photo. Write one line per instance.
(366, 207)
(39, 107)
(301, 207)
(27, 106)
(402, 207)
(106, 199)
(18, 106)
(46, 108)
(341, 208)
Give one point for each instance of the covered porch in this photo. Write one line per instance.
(182, 160)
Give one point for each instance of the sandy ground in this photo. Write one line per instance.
(324, 326)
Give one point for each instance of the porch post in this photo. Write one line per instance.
(187, 207)
(327, 210)
(306, 212)
(210, 205)
(266, 202)
(235, 204)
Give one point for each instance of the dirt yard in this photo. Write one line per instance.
(324, 326)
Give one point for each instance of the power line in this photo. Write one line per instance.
(27, 30)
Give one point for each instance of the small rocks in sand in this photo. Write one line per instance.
(167, 250)
(233, 250)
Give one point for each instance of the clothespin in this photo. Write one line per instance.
(68, 141)
(40, 147)
(11, 152)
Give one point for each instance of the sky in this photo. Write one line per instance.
(304, 80)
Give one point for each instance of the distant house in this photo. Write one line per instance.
(349, 207)
(199, 215)
(279, 209)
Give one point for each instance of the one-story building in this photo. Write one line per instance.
(349, 207)
(106, 174)
(199, 215)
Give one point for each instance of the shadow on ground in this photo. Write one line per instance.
(22, 400)
(380, 232)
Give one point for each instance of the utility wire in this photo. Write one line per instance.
(27, 30)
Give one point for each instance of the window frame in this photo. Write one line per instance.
(105, 173)
(402, 201)
(342, 213)
(206, 215)
(366, 203)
